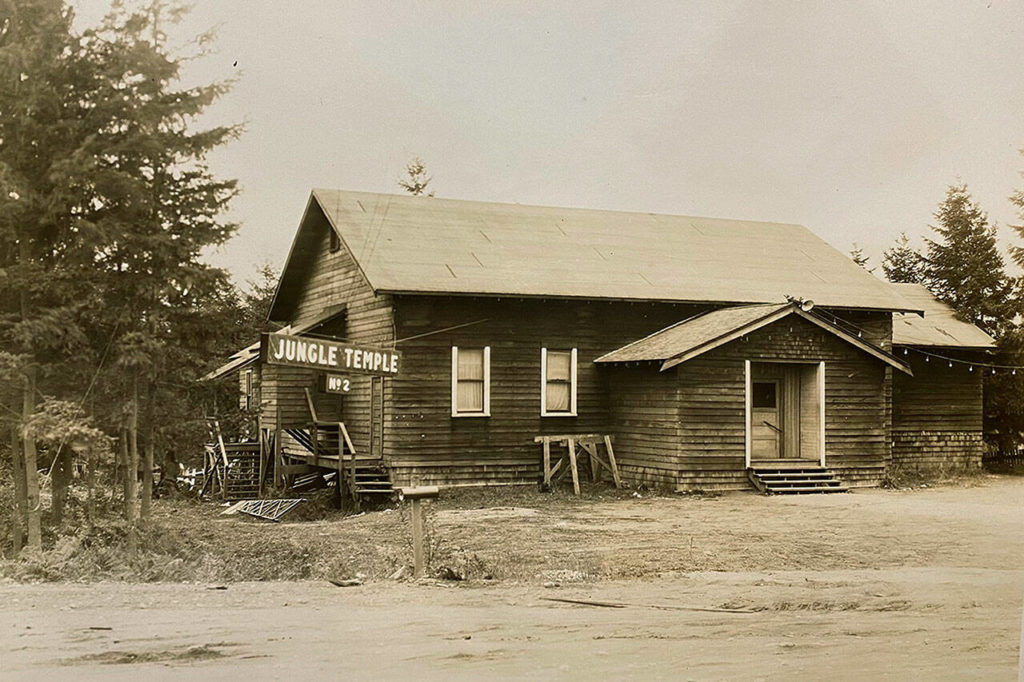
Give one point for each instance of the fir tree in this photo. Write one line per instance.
(107, 206)
(858, 257)
(416, 179)
(902, 263)
(963, 266)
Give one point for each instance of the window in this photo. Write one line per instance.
(471, 382)
(558, 383)
(764, 394)
(247, 386)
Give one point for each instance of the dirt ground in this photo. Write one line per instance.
(875, 584)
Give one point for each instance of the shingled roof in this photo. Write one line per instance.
(691, 338)
(939, 327)
(407, 244)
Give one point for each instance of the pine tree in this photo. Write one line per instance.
(159, 205)
(106, 205)
(41, 297)
(858, 257)
(417, 179)
(963, 267)
(901, 263)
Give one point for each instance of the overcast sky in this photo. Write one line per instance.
(849, 118)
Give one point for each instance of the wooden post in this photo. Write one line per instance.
(575, 470)
(314, 437)
(277, 445)
(264, 454)
(547, 464)
(342, 483)
(611, 460)
(417, 538)
(595, 474)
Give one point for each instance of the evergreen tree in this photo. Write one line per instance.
(902, 263)
(106, 205)
(159, 205)
(858, 257)
(416, 179)
(42, 295)
(963, 266)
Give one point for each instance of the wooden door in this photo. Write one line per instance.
(765, 426)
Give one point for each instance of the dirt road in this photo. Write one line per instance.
(947, 606)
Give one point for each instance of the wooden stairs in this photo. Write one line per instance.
(320, 448)
(794, 479)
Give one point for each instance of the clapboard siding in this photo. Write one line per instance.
(331, 282)
(937, 419)
(421, 432)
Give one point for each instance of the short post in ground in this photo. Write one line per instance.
(416, 496)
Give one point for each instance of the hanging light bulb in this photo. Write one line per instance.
(951, 365)
(927, 359)
(970, 369)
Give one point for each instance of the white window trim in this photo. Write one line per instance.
(248, 379)
(455, 385)
(544, 381)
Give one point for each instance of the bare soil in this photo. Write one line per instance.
(875, 584)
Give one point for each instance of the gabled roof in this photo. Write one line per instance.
(407, 244)
(687, 339)
(939, 327)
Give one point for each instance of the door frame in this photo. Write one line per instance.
(748, 405)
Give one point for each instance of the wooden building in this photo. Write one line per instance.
(707, 349)
(937, 414)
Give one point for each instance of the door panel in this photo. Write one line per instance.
(765, 429)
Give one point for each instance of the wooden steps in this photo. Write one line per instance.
(794, 479)
(369, 475)
(372, 479)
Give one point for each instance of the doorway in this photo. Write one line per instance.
(785, 411)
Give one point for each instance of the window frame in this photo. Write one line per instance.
(247, 379)
(455, 383)
(544, 412)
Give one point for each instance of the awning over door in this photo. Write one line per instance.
(693, 337)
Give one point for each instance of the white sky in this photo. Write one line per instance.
(849, 118)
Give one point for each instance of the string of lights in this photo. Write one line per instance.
(970, 364)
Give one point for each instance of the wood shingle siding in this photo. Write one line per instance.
(702, 410)
(937, 419)
(331, 281)
(426, 275)
(420, 430)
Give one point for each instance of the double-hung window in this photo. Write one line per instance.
(471, 382)
(558, 383)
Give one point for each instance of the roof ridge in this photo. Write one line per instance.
(553, 207)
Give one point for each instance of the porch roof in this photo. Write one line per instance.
(940, 327)
(251, 353)
(693, 337)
